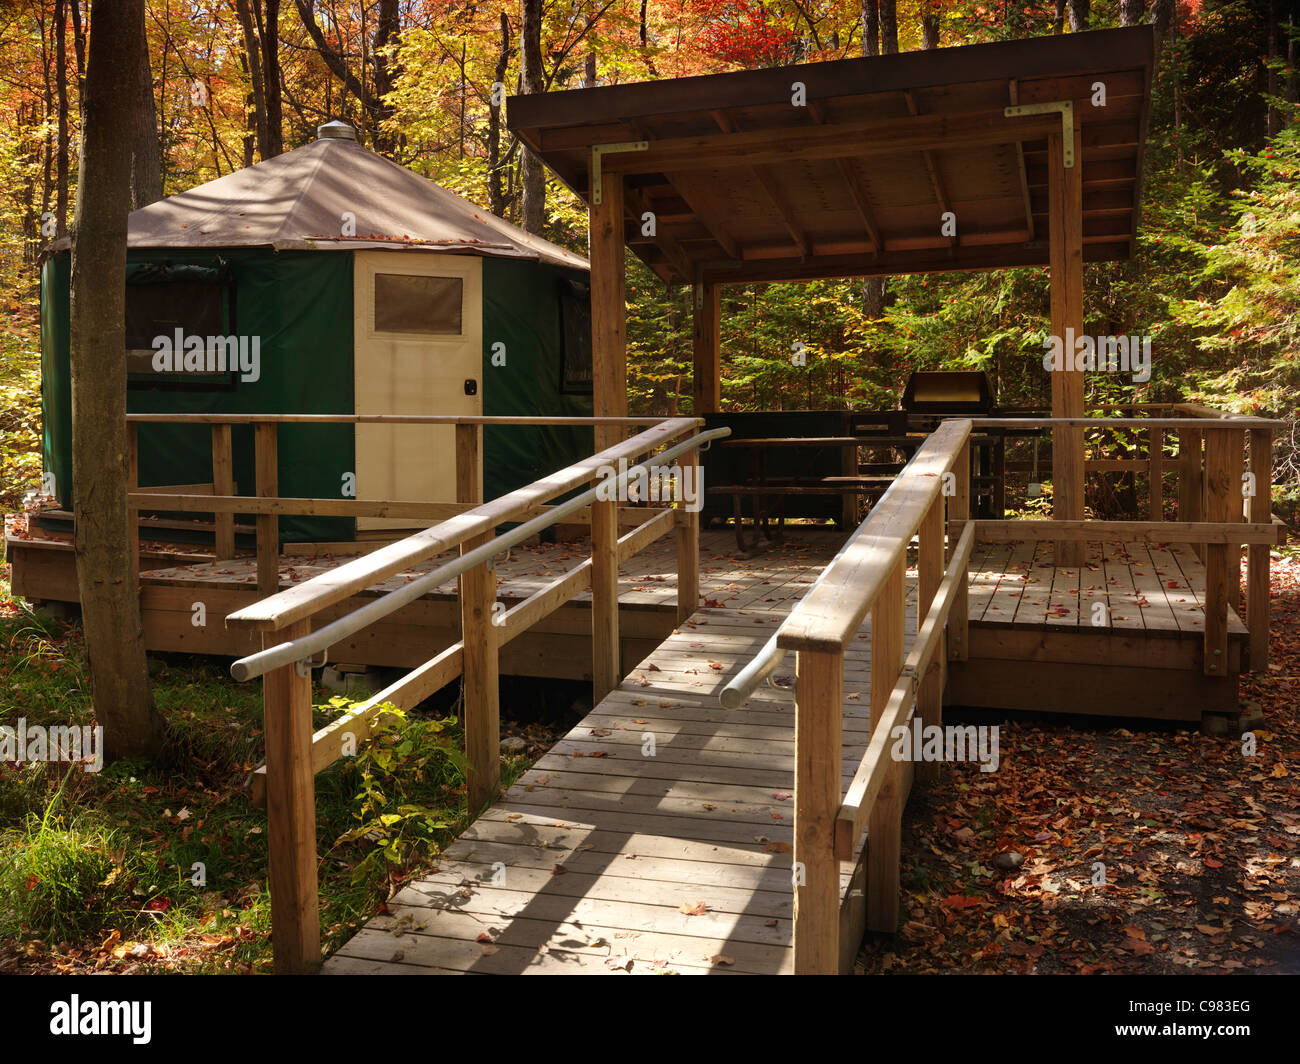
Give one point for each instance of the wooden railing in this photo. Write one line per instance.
(293, 753)
(868, 577)
(1223, 468)
(267, 504)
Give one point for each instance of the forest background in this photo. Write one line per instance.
(227, 83)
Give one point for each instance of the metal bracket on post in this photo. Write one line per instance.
(1066, 109)
(303, 668)
(597, 150)
(909, 672)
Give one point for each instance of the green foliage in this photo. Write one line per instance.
(395, 769)
(63, 879)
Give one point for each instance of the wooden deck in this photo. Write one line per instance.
(1121, 636)
(586, 864)
(1138, 587)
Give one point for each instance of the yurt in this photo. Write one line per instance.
(331, 280)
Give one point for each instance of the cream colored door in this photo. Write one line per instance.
(418, 340)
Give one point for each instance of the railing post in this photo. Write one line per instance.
(884, 826)
(133, 484)
(958, 515)
(223, 483)
(929, 574)
(606, 666)
(688, 538)
(818, 710)
(481, 667)
(1221, 489)
(291, 812)
(1155, 456)
(1191, 479)
(1257, 576)
(267, 460)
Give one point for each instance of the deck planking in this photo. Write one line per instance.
(583, 866)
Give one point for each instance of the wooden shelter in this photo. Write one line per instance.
(1023, 153)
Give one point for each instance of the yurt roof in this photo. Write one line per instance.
(299, 200)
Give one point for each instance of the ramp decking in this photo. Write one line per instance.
(587, 863)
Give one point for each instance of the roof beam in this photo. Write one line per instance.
(1020, 164)
(945, 206)
(856, 186)
(720, 236)
(636, 205)
(768, 184)
(832, 141)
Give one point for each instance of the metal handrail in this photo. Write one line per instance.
(303, 648)
(741, 687)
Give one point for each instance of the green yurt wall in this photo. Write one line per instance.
(300, 304)
(524, 308)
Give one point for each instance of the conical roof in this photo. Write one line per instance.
(303, 199)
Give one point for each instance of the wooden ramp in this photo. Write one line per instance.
(660, 801)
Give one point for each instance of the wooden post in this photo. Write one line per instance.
(688, 540)
(133, 484)
(929, 573)
(1221, 505)
(606, 666)
(223, 483)
(481, 679)
(291, 812)
(818, 711)
(267, 461)
(469, 484)
(958, 515)
(1191, 480)
(1155, 457)
(1065, 252)
(608, 309)
(884, 826)
(706, 385)
(1260, 511)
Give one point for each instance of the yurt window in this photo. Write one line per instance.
(575, 313)
(157, 306)
(406, 303)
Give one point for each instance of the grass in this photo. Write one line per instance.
(163, 866)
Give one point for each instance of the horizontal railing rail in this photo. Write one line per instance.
(930, 499)
(294, 754)
(255, 665)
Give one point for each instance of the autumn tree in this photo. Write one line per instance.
(106, 567)
(532, 79)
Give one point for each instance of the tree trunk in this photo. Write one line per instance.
(268, 30)
(146, 152)
(1273, 117)
(1130, 12)
(61, 90)
(870, 27)
(387, 30)
(1162, 17)
(256, 100)
(532, 78)
(496, 193)
(1292, 74)
(888, 27)
(1058, 17)
(1078, 16)
(930, 29)
(106, 571)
